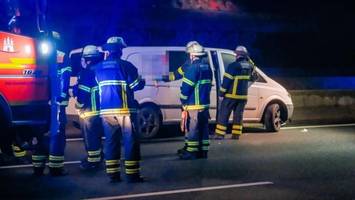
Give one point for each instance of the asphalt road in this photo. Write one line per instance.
(296, 163)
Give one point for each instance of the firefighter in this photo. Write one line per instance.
(57, 139)
(234, 91)
(88, 103)
(118, 79)
(195, 99)
(177, 75)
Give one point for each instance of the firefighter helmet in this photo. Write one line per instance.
(117, 40)
(114, 44)
(189, 44)
(241, 50)
(90, 51)
(194, 48)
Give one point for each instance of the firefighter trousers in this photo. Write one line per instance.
(40, 151)
(117, 128)
(57, 141)
(227, 106)
(197, 135)
(92, 132)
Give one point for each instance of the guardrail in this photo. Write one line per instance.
(323, 106)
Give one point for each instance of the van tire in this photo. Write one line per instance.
(272, 118)
(149, 119)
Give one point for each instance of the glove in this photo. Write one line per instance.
(165, 78)
(183, 123)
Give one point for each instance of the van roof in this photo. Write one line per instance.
(131, 49)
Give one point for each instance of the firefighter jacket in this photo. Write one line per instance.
(87, 94)
(117, 80)
(64, 72)
(235, 79)
(196, 86)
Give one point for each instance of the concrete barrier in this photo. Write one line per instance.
(323, 106)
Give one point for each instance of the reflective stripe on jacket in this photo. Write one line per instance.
(88, 99)
(117, 80)
(196, 86)
(235, 79)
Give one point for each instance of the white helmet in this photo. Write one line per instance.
(194, 48)
(241, 50)
(90, 51)
(117, 40)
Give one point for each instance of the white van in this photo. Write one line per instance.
(268, 102)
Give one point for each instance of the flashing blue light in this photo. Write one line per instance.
(45, 48)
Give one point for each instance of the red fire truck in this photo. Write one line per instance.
(24, 85)
(23, 82)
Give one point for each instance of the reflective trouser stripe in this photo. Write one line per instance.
(56, 161)
(112, 166)
(18, 152)
(192, 146)
(55, 165)
(220, 129)
(237, 129)
(205, 145)
(39, 160)
(132, 167)
(94, 156)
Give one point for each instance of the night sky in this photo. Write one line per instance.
(314, 37)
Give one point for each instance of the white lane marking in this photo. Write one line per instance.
(318, 126)
(184, 191)
(30, 165)
(283, 128)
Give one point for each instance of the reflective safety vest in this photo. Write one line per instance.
(235, 79)
(196, 86)
(117, 80)
(64, 72)
(88, 98)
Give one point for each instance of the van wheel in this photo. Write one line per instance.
(272, 118)
(149, 121)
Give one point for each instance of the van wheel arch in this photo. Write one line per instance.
(150, 119)
(269, 115)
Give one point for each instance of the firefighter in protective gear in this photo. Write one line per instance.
(88, 104)
(118, 79)
(195, 99)
(57, 140)
(174, 76)
(234, 91)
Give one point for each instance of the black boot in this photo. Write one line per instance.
(235, 137)
(86, 165)
(188, 155)
(58, 171)
(202, 154)
(136, 178)
(38, 171)
(115, 178)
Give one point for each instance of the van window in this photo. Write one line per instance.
(227, 59)
(150, 65)
(260, 79)
(176, 59)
